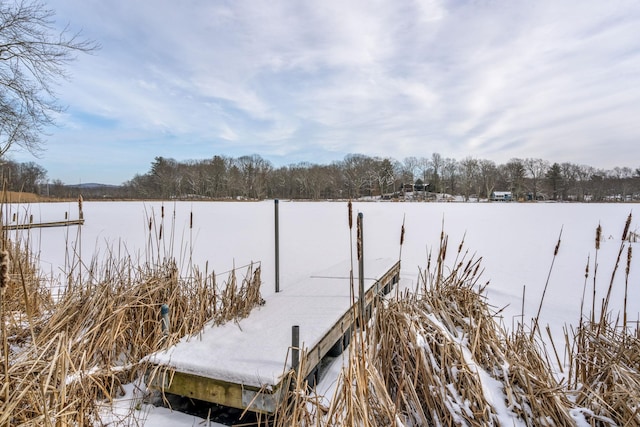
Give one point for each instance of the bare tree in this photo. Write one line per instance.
(450, 174)
(356, 168)
(410, 166)
(436, 163)
(254, 170)
(33, 56)
(537, 168)
(469, 174)
(569, 177)
(488, 175)
(583, 174)
(25, 177)
(384, 174)
(424, 165)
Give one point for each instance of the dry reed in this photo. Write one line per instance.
(434, 357)
(60, 358)
(605, 359)
(430, 357)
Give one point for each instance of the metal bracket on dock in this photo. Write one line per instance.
(260, 401)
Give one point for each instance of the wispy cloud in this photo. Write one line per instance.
(300, 81)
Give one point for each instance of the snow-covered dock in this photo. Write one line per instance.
(242, 364)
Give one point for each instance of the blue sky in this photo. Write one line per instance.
(312, 81)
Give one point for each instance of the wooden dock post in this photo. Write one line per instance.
(277, 235)
(361, 296)
(295, 347)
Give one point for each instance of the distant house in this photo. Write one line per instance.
(501, 196)
(407, 188)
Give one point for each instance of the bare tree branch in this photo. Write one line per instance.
(33, 58)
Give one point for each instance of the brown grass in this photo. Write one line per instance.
(61, 358)
(429, 356)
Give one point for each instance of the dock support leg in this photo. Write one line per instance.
(164, 312)
(295, 347)
(361, 296)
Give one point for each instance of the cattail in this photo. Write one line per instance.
(350, 205)
(4, 269)
(598, 236)
(162, 211)
(80, 213)
(626, 228)
(160, 234)
(628, 259)
(402, 235)
(150, 224)
(190, 220)
(586, 269)
(555, 251)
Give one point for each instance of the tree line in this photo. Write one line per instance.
(356, 176)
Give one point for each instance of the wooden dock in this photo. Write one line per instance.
(28, 226)
(243, 364)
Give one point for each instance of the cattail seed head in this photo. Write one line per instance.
(350, 206)
(402, 235)
(150, 224)
(586, 272)
(555, 251)
(586, 269)
(191, 220)
(4, 269)
(626, 228)
(598, 236)
(80, 212)
(160, 234)
(628, 260)
(162, 211)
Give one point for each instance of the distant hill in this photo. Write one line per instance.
(91, 186)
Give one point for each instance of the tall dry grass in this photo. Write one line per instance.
(434, 356)
(605, 353)
(437, 356)
(61, 358)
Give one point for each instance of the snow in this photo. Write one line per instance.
(515, 240)
(253, 351)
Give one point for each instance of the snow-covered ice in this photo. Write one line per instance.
(515, 240)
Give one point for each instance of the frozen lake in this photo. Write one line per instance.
(515, 240)
(516, 243)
